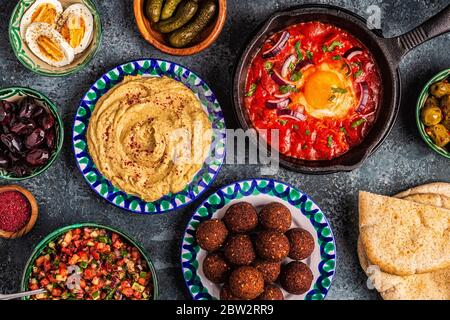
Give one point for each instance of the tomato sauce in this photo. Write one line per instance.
(332, 85)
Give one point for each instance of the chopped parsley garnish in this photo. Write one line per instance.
(291, 66)
(295, 127)
(359, 122)
(332, 46)
(358, 73)
(330, 141)
(308, 133)
(268, 66)
(337, 57)
(305, 147)
(286, 89)
(339, 90)
(332, 98)
(343, 130)
(296, 76)
(282, 122)
(309, 55)
(299, 51)
(251, 91)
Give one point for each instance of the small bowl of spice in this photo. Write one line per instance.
(18, 212)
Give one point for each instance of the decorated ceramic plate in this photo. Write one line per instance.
(259, 192)
(203, 178)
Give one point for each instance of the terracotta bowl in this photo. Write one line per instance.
(158, 40)
(33, 217)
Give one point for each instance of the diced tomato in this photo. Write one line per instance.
(74, 259)
(82, 283)
(77, 243)
(95, 254)
(76, 231)
(40, 261)
(114, 237)
(128, 292)
(44, 282)
(117, 244)
(135, 255)
(141, 281)
(89, 274)
(34, 286)
(137, 295)
(65, 250)
(47, 265)
(51, 278)
(56, 292)
(125, 284)
(83, 256)
(62, 269)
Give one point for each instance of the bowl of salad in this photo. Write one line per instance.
(90, 262)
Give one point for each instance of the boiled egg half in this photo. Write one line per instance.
(48, 44)
(76, 25)
(45, 11)
(327, 92)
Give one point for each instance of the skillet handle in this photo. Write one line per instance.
(435, 26)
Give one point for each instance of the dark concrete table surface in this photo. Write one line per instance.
(64, 197)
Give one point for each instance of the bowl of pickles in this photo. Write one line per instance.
(433, 113)
(180, 27)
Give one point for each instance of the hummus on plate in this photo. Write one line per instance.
(149, 136)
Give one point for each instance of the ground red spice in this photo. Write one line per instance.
(15, 211)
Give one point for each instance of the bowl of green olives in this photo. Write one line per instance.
(180, 27)
(433, 113)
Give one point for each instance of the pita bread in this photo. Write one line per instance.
(426, 286)
(403, 237)
(439, 188)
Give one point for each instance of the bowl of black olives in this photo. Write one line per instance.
(31, 133)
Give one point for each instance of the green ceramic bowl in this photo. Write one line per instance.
(30, 61)
(18, 93)
(59, 232)
(420, 104)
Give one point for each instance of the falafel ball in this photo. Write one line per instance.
(225, 293)
(270, 270)
(216, 268)
(272, 245)
(211, 234)
(275, 216)
(239, 250)
(246, 283)
(271, 292)
(296, 277)
(301, 242)
(241, 218)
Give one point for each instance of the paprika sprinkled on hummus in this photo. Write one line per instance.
(15, 211)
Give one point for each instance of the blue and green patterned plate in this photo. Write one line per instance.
(259, 192)
(202, 180)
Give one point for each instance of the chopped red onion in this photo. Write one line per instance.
(278, 104)
(276, 49)
(353, 52)
(364, 96)
(285, 69)
(280, 80)
(293, 114)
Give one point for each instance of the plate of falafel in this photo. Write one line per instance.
(258, 239)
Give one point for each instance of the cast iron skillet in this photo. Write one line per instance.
(387, 52)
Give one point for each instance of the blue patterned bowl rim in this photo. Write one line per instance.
(271, 185)
(212, 166)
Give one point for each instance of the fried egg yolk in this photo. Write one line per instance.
(327, 92)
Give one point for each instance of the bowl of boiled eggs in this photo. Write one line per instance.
(55, 37)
